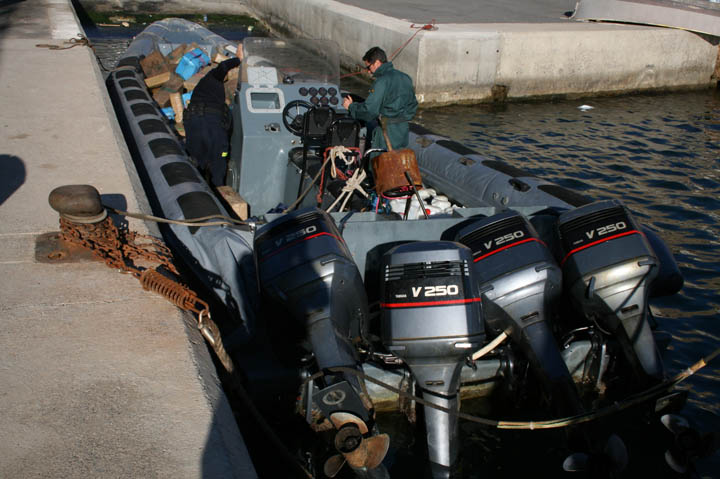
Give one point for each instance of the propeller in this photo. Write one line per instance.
(689, 444)
(612, 460)
(353, 445)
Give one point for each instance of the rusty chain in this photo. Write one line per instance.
(125, 250)
(118, 247)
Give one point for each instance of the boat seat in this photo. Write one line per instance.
(316, 126)
(344, 131)
(314, 136)
(323, 129)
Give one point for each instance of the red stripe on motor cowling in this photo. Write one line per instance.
(430, 303)
(506, 247)
(620, 235)
(297, 241)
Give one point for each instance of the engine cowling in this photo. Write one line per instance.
(431, 318)
(520, 282)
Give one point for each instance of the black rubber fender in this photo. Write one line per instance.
(669, 279)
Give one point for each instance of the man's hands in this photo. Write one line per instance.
(346, 102)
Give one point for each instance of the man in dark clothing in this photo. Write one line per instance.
(207, 121)
(392, 96)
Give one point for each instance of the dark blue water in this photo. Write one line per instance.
(660, 154)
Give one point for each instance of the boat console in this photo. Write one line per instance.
(286, 113)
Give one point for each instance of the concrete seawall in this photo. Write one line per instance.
(462, 62)
(527, 51)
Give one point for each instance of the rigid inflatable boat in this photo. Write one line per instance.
(340, 303)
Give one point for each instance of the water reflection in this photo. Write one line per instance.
(660, 154)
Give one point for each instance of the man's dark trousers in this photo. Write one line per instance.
(207, 143)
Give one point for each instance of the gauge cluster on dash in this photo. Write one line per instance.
(320, 96)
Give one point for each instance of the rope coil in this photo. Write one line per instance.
(353, 184)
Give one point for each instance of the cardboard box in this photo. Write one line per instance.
(169, 111)
(158, 80)
(231, 83)
(236, 202)
(174, 56)
(233, 74)
(230, 87)
(154, 64)
(162, 94)
(219, 58)
(178, 106)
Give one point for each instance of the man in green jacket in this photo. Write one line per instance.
(392, 96)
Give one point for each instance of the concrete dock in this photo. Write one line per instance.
(98, 378)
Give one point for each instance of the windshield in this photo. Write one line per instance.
(296, 61)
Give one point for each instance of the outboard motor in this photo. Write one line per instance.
(304, 266)
(431, 319)
(608, 267)
(519, 281)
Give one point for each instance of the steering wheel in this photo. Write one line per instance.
(293, 114)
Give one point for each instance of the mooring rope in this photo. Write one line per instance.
(427, 27)
(73, 42)
(80, 41)
(194, 222)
